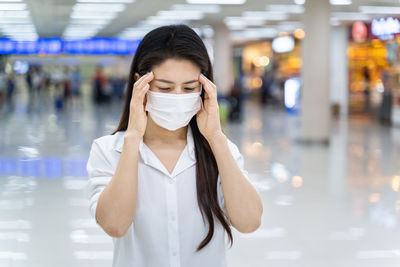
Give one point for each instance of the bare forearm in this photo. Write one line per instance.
(242, 201)
(116, 207)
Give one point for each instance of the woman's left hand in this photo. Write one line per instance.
(208, 119)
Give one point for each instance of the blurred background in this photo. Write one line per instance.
(309, 91)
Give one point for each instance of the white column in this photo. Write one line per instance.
(315, 105)
(223, 75)
(339, 69)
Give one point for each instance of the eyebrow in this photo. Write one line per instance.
(166, 81)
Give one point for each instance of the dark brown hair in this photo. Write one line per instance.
(181, 42)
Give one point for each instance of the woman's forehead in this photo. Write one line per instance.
(176, 70)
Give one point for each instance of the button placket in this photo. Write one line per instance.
(173, 233)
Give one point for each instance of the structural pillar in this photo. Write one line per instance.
(222, 64)
(315, 104)
(339, 69)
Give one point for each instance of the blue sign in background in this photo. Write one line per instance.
(54, 46)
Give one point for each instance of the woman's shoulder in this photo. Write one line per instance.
(109, 141)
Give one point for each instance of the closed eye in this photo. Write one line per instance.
(164, 89)
(189, 88)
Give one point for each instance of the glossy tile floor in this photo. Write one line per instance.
(323, 206)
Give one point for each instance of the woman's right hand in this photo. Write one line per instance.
(137, 113)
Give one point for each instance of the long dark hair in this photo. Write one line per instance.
(181, 42)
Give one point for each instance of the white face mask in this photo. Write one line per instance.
(172, 111)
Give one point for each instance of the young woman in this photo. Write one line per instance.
(167, 184)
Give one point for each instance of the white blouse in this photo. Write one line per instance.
(168, 226)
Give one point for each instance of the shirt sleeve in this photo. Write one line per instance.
(100, 174)
(240, 162)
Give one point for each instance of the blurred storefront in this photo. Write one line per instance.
(374, 70)
(263, 67)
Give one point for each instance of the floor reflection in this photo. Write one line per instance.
(334, 205)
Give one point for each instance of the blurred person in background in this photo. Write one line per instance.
(3, 80)
(100, 83)
(236, 102)
(267, 82)
(10, 86)
(66, 83)
(385, 112)
(28, 78)
(168, 185)
(76, 81)
(36, 80)
(57, 78)
(10, 91)
(367, 91)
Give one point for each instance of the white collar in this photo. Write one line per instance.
(150, 159)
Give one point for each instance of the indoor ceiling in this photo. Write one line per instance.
(131, 19)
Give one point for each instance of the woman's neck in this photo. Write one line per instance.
(155, 134)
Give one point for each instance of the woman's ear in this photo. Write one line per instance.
(136, 76)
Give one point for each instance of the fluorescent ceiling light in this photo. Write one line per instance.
(217, 2)
(81, 29)
(133, 34)
(253, 34)
(380, 9)
(297, 9)
(351, 16)
(12, 6)
(299, 2)
(287, 27)
(240, 21)
(17, 27)
(23, 34)
(94, 16)
(24, 37)
(105, 1)
(266, 15)
(14, 21)
(204, 8)
(86, 21)
(340, 2)
(98, 8)
(14, 14)
(155, 21)
(237, 27)
(20, 32)
(181, 14)
(297, 23)
(79, 33)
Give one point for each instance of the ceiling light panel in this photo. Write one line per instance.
(380, 9)
(15, 21)
(296, 9)
(340, 2)
(217, 2)
(208, 8)
(89, 17)
(106, 1)
(12, 6)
